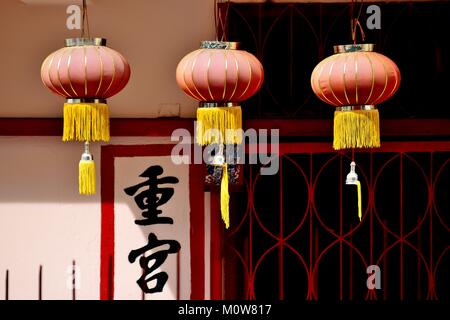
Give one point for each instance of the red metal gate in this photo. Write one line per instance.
(296, 235)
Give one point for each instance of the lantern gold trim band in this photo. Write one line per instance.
(218, 104)
(74, 42)
(353, 108)
(219, 45)
(365, 47)
(85, 100)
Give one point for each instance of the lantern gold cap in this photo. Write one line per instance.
(211, 104)
(364, 107)
(227, 45)
(73, 42)
(84, 100)
(365, 47)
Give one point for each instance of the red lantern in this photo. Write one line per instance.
(354, 80)
(86, 73)
(220, 76)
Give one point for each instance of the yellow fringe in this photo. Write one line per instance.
(225, 197)
(86, 177)
(219, 125)
(356, 129)
(86, 122)
(358, 186)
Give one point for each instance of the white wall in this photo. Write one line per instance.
(44, 221)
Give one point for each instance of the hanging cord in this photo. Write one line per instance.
(220, 22)
(85, 21)
(352, 177)
(354, 23)
(225, 23)
(358, 190)
(216, 25)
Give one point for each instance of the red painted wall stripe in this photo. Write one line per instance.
(197, 232)
(217, 227)
(107, 225)
(164, 127)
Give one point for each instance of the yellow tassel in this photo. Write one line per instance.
(356, 129)
(86, 177)
(358, 186)
(86, 122)
(219, 125)
(225, 197)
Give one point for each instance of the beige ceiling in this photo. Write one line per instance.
(153, 34)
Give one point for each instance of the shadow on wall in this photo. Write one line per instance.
(42, 169)
(39, 197)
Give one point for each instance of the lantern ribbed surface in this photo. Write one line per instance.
(355, 78)
(85, 71)
(220, 75)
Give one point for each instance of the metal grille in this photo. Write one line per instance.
(296, 235)
(291, 39)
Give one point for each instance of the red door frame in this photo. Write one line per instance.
(196, 197)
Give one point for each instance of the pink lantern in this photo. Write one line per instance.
(220, 73)
(355, 79)
(86, 73)
(220, 76)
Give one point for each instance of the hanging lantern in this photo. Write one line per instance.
(354, 80)
(86, 73)
(220, 77)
